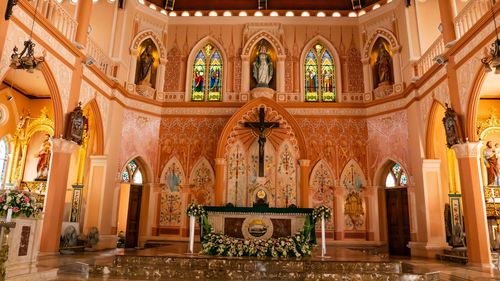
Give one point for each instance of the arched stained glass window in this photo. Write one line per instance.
(319, 75)
(396, 177)
(4, 156)
(131, 173)
(207, 85)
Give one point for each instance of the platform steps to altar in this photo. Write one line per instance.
(456, 255)
(215, 269)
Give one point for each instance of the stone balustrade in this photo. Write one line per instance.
(469, 15)
(57, 16)
(427, 60)
(99, 58)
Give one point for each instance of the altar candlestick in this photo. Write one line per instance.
(191, 234)
(323, 240)
(9, 215)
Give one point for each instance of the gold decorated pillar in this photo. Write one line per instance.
(220, 163)
(56, 193)
(304, 182)
(476, 226)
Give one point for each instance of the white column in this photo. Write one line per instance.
(160, 76)
(133, 65)
(367, 75)
(396, 60)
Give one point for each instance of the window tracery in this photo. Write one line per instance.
(396, 177)
(131, 173)
(207, 75)
(319, 75)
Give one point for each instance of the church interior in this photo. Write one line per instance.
(138, 132)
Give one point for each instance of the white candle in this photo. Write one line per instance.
(323, 240)
(191, 234)
(9, 215)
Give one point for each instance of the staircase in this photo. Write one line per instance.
(217, 268)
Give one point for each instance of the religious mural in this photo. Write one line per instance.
(321, 189)
(203, 180)
(286, 175)
(353, 181)
(237, 173)
(170, 200)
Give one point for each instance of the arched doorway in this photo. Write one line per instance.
(398, 219)
(130, 204)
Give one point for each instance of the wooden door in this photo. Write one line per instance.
(134, 213)
(398, 221)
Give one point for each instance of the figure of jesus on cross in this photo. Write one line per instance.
(262, 130)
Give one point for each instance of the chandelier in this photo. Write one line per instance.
(26, 59)
(492, 61)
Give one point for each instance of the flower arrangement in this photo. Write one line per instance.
(320, 211)
(21, 202)
(223, 245)
(195, 210)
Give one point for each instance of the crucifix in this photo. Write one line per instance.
(262, 129)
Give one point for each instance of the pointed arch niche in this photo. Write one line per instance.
(140, 41)
(321, 190)
(353, 182)
(246, 57)
(173, 196)
(237, 157)
(393, 47)
(202, 180)
(206, 76)
(320, 71)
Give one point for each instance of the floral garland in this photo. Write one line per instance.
(223, 245)
(195, 210)
(320, 211)
(22, 203)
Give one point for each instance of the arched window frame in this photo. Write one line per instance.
(4, 158)
(132, 173)
(326, 84)
(209, 53)
(398, 175)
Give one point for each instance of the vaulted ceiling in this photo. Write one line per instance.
(222, 5)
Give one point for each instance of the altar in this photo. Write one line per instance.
(260, 222)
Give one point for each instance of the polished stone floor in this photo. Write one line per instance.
(75, 267)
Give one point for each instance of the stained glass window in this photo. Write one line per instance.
(396, 177)
(319, 75)
(4, 155)
(207, 85)
(132, 172)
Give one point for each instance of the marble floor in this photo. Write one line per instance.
(75, 267)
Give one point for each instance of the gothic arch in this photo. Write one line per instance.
(383, 169)
(356, 169)
(292, 128)
(147, 172)
(55, 96)
(171, 161)
(149, 34)
(275, 43)
(385, 34)
(99, 131)
(338, 71)
(431, 127)
(192, 55)
(473, 104)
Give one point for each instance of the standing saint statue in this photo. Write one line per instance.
(146, 61)
(43, 155)
(491, 162)
(263, 68)
(383, 65)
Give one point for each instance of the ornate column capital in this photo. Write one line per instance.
(304, 162)
(468, 149)
(220, 161)
(61, 145)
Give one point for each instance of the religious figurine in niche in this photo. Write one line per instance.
(43, 155)
(383, 65)
(215, 81)
(491, 162)
(263, 67)
(146, 61)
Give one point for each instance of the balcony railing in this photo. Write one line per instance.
(58, 16)
(99, 58)
(426, 61)
(470, 14)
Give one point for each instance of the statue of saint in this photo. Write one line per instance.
(263, 68)
(43, 155)
(491, 162)
(146, 61)
(383, 65)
